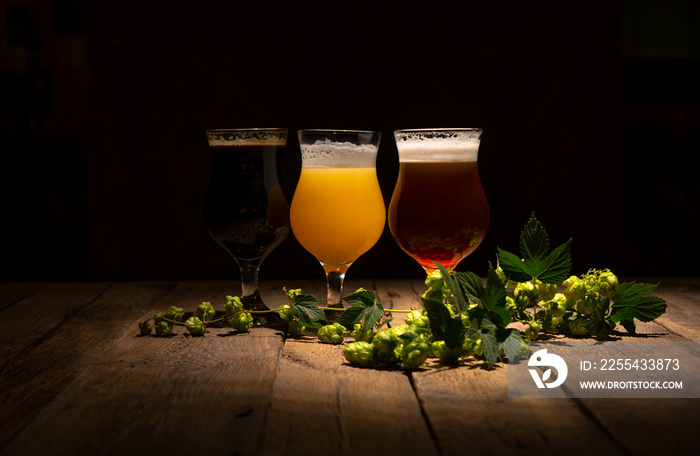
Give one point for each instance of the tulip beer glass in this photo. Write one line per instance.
(438, 211)
(244, 208)
(337, 211)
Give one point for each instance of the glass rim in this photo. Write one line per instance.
(222, 130)
(428, 130)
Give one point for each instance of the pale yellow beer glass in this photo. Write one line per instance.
(337, 211)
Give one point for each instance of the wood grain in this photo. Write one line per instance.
(77, 378)
(322, 405)
(39, 372)
(176, 394)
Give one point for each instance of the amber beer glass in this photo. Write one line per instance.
(337, 211)
(245, 210)
(438, 211)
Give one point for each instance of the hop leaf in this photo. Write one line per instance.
(365, 309)
(534, 262)
(631, 302)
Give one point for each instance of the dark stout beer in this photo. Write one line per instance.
(245, 210)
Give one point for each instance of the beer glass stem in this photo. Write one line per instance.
(249, 284)
(335, 276)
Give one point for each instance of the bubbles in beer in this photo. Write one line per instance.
(327, 154)
(436, 146)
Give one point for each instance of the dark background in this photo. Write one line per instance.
(591, 113)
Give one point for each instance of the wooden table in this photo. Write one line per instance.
(76, 378)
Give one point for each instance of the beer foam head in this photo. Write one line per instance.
(329, 154)
(438, 145)
(252, 137)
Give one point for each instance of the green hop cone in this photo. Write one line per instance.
(415, 353)
(295, 329)
(242, 321)
(445, 354)
(470, 347)
(285, 312)
(578, 327)
(435, 281)
(361, 354)
(525, 295)
(510, 304)
(359, 335)
(291, 294)
(163, 328)
(546, 291)
(557, 305)
(590, 280)
(233, 305)
(387, 344)
(575, 288)
(332, 334)
(608, 284)
(145, 327)
(195, 326)
(174, 313)
(556, 323)
(433, 294)
(205, 312)
(532, 332)
(417, 319)
(588, 303)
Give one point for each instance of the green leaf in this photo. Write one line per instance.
(494, 294)
(442, 325)
(535, 261)
(534, 241)
(513, 266)
(305, 300)
(471, 284)
(556, 267)
(629, 326)
(492, 349)
(631, 302)
(364, 308)
(510, 342)
(307, 313)
(460, 302)
(304, 307)
(489, 344)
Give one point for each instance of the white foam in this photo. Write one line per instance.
(438, 150)
(329, 154)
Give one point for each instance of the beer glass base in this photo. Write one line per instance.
(255, 303)
(333, 315)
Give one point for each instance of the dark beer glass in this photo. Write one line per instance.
(438, 211)
(244, 209)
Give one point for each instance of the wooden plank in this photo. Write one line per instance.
(648, 426)
(179, 394)
(321, 405)
(399, 294)
(468, 407)
(682, 315)
(11, 293)
(637, 424)
(31, 319)
(40, 372)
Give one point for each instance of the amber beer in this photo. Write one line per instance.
(438, 211)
